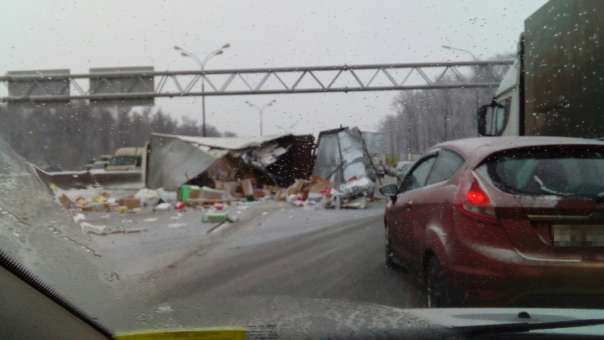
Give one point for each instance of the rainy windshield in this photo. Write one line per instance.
(250, 154)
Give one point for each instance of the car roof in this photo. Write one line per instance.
(476, 149)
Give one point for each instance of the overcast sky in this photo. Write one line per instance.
(43, 34)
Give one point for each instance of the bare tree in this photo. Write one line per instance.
(69, 135)
(424, 118)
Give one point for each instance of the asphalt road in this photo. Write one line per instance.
(274, 251)
(342, 261)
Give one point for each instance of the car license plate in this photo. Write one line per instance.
(577, 235)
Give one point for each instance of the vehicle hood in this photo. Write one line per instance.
(298, 317)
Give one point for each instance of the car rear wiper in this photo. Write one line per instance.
(527, 326)
(599, 197)
(547, 190)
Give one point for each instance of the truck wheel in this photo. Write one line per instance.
(438, 292)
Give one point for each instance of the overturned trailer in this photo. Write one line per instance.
(342, 157)
(85, 178)
(271, 160)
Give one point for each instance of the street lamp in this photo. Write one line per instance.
(447, 47)
(261, 110)
(202, 66)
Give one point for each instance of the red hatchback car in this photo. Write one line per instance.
(502, 221)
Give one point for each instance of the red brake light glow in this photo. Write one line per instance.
(478, 204)
(476, 196)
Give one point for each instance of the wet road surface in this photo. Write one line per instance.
(341, 261)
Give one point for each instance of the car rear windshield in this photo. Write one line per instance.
(550, 170)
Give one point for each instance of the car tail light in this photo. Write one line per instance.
(476, 196)
(477, 203)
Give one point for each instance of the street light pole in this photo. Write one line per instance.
(202, 66)
(260, 110)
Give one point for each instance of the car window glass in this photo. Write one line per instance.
(446, 165)
(417, 177)
(564, 171)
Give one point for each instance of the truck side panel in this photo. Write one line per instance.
(564, 69)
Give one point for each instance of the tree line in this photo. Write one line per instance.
(423, 118)
(67, 136)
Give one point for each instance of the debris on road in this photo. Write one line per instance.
(248, 189)
(167, 196)
(180, 206)
(356, 187)
(66, 202)
(164, 309)
(102, 230)
(186, 192)
(219, 178)
(209, 195)
(162, 207)
(94, 229)
(130, 202)
(79, 217)
(147, 197)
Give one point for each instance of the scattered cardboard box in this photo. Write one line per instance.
(129, 202)
(281, 194)
(211, 194)
(185, 191)
(297, 187)
(318, 184)
(66, 202)
(247, 187)
(260, 193)
(101, 198)
(230, 190)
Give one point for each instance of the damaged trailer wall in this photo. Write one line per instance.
(342, 155)
(296, 163)
(270, 160)
(375, 143)
(173, 162)
(279, 162)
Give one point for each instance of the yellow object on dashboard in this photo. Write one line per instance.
(185, 334)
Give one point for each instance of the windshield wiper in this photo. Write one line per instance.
(527, 325)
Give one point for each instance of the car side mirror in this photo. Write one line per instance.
(482, 114)
(389, 190)
(487, 118)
